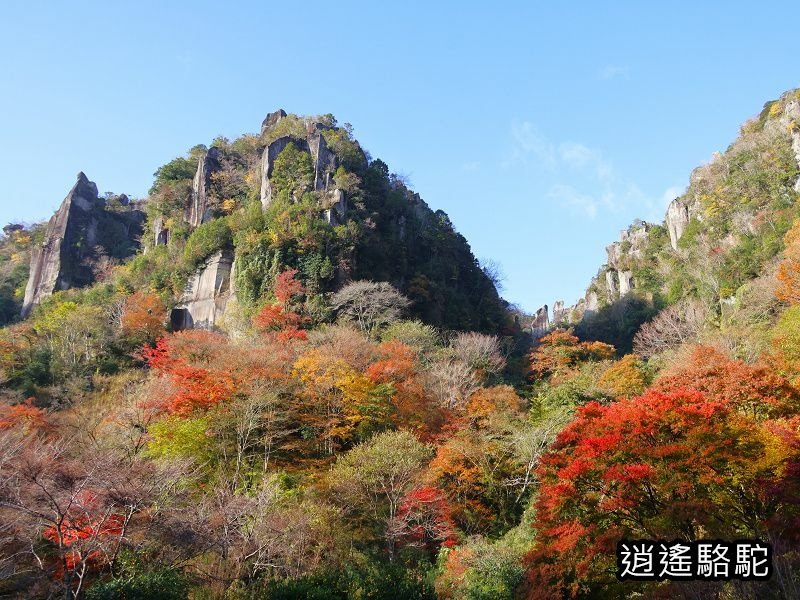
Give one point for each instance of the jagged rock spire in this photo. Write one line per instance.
(47, 272)
(198, 210)
(72, 237)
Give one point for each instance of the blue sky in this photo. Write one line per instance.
(541, 130)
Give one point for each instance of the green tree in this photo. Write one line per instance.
(372, 478)
(292, 172)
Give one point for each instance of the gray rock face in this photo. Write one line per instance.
(337, 209)
(79, 233)
(46, 274)
(540, 323)
(790, 120)
(160, 233)
(272, 118)
(591, 302)
(560, 313)
(206, 295)
(611, 284)
(271, 152)
(677, 219)
(618, 283)
(619, 280)
(325, 162)
(199, 210)
(615, 278)
(625, 282)
(631, 243)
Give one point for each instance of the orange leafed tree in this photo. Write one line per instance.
(279, 318)
(753, 389)
(489, 402)
(560, 351)
(473, 469)
(195, 362)
(659, 466)
(24, 416)
(624, 378)
(143, 317)
(411, 407)
(789, 269)
(338, 399)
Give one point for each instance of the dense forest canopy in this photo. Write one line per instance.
(282, 375)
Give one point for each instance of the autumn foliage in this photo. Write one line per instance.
(753, 389)
(661, 466)
(85, 521)
(488, 403)
(23, 416)
(397, 366)
(192, 362)
(560, 351)
(143, 317)
(279, 318)
(477, 464)
(625, 377)
(423, 519)
(789, 270)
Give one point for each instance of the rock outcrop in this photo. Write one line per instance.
(630, 244)
(560, 313)
(676, 220)
(336, 209)
(625, 279)
(272, 118)
(591, 303)
(271, 152)
(780, 120)
(612, 286)
(207, 294)
(790, 120)
(615, 279)
(325, 162)
(540, 323)
(199, 209)
(81, 232)
(160, 232)
(333, 202)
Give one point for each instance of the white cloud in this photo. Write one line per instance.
(656, 208)
(577, 203)
(576, 153)
(582, 179)
(531, 145)
(609, 72)
(580, 156)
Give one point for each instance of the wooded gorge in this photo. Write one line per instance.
(282, 375)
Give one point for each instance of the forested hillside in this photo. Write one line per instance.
(282, 375)
(716, 251)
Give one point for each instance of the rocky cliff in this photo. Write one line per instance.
(324, 163)
(727, 225)
(331, 213)
(199, 209)
(207, 294)
(224, 221)
(82, 232)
